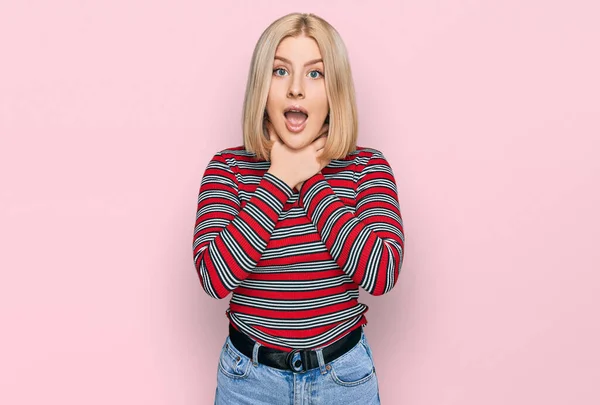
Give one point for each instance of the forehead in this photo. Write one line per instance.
(298, 48)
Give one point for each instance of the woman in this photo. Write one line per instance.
(293, 223)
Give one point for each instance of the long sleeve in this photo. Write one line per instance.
(367, 245)
(229, 240)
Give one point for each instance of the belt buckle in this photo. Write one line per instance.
(292, 360)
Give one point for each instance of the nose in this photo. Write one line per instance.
(296, 89)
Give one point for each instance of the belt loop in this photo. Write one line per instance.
(321, 360)
(255, 354)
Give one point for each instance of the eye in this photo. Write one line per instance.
(279, 72)
(315, 74)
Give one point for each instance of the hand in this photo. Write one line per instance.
(299, 185)
(296, 166)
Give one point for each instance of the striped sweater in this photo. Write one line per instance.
(294, 260)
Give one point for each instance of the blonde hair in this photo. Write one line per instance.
(343, 120)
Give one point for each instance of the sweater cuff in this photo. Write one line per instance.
(309, 184)
(278, 187)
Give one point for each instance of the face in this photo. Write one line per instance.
(297, 102)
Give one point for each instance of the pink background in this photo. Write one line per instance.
(488, 112)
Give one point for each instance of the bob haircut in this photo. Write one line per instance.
(339, 86)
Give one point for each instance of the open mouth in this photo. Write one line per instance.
(295, 118)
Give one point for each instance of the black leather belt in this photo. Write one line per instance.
(283, 360)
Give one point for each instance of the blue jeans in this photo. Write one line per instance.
(349, 379)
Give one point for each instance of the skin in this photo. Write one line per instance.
(297, 80)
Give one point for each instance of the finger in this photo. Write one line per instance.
(320, 142)
(322, 138)
(324, 129)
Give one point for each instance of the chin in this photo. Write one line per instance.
(295, 141)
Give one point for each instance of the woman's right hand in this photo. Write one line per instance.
(295, 166)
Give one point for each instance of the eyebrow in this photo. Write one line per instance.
(310, 62)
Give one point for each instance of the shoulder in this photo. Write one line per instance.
(237, 156)
(370, 163)
(364, 156)
(235, 152)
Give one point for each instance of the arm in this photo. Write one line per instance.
(368, 245)
(229, 241)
